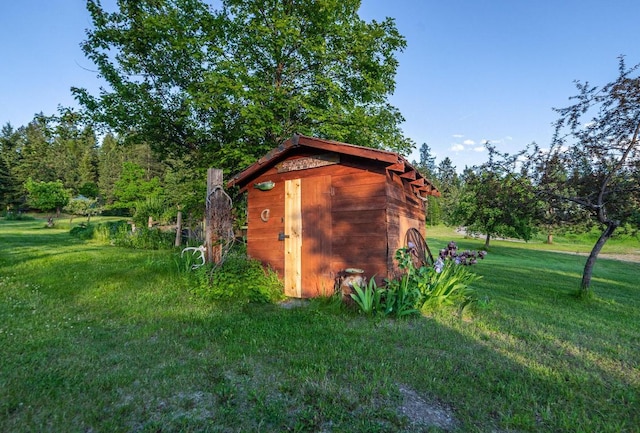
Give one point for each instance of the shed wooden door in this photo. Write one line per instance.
(307, 248)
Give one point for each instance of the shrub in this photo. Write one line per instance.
(83, 231)
(145, 239)
(238, 278)
(119, 233)
(17, 216)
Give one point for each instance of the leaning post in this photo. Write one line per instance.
(214, 179)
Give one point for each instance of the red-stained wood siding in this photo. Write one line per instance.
(359, 222)
(354, 215)
(317, 277)
(404, 211)
(262, 236)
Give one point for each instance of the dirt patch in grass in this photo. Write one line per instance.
(629, 257)
(425, 411)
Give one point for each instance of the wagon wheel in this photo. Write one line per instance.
(419, 249)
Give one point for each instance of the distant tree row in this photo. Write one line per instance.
(588, 177)
(117, 178)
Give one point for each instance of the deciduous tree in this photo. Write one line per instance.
(47, 196)
(133, 187)
(497, 199)
(227, 85)
(597, 143)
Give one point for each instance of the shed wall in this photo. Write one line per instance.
(404, 211)
(369, 213)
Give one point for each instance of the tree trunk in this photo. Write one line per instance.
(585, 286)
(486, 241)
(549, 238)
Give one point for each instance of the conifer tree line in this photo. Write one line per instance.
(64, 148)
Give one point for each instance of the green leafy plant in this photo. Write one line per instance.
(152, 206)
(447, 283)
(449, 286)
(401, 296)
(238, 278)
(83, 231)
(82, 206)
(368, 298)
(47, 196)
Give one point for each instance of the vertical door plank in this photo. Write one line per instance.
(293, 243)
(317, 278)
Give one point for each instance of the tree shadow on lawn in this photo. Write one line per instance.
(41, 243)
(148, 357)
(277, 366)
(264, 368)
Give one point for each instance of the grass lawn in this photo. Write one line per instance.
(97, 338)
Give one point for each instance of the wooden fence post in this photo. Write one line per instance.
(178, 240)
(214, 179)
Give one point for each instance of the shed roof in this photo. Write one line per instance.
(394, 162)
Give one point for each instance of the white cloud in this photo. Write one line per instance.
(479, 149)
(457, 147)
(457, 135)
(469, 142)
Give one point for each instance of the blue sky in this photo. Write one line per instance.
(473, 70)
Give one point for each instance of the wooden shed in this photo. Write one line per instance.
(318, 207)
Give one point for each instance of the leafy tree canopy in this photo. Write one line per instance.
(497, 199)
(46, 196)
(84, 206)
(227, 85)
(132, 187)
(594, 158)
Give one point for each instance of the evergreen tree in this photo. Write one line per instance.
(36, 151)
(449, 184)
(10, 184)
(110, 159)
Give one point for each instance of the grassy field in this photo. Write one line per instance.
(96, 338)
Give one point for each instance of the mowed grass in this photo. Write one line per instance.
(96, 338)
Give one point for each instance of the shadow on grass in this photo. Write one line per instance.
(113, 344)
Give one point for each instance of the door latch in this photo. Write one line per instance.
(282, 236)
